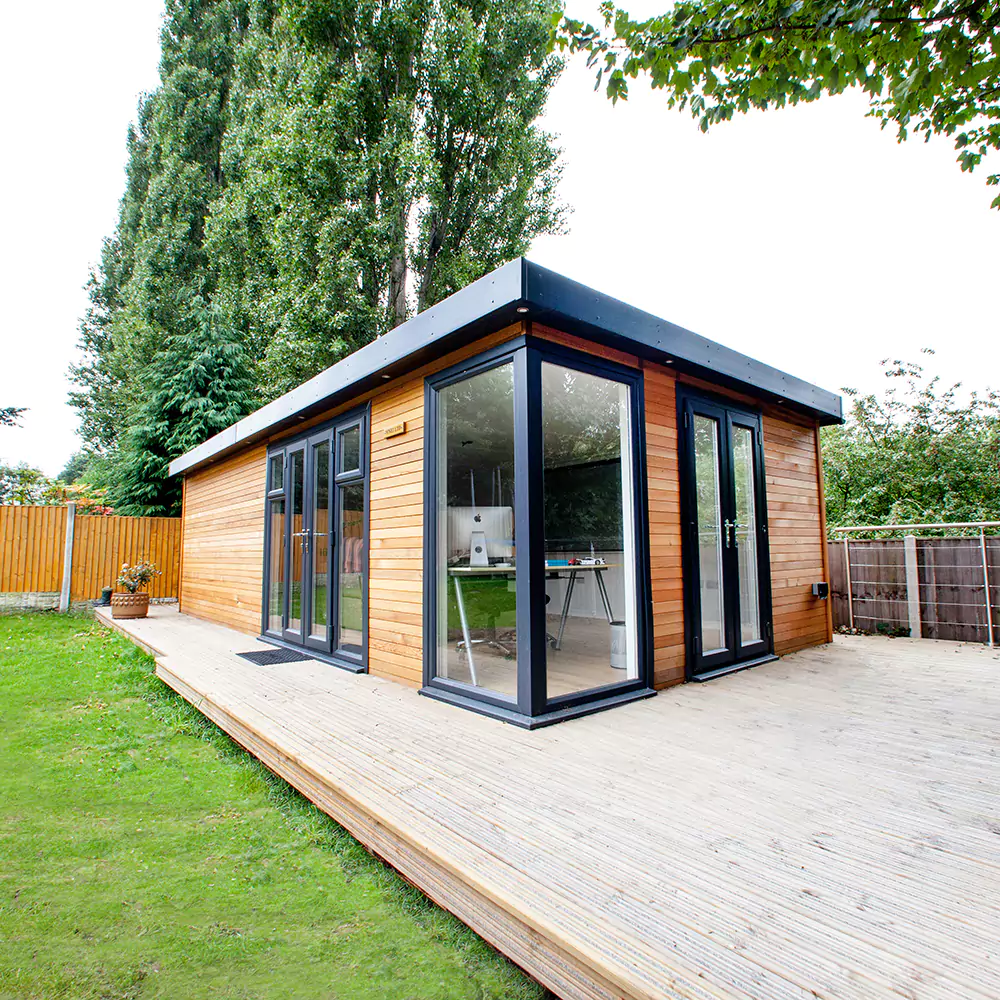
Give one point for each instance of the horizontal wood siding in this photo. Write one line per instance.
(396, 536)
(662, 473)
(796, 531)
(223, 555)
(396, 522)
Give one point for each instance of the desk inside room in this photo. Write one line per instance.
(554, 570)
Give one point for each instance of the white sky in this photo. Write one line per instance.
(806, 238)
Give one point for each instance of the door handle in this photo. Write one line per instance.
(729, 530)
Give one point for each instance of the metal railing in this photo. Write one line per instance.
(907, 583)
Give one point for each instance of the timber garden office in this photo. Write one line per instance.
(531, 500)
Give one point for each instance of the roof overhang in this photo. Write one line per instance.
(519, 290)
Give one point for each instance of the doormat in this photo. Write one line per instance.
(270, 657)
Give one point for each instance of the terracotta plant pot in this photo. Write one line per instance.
(126, 605)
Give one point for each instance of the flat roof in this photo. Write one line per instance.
(516, 291)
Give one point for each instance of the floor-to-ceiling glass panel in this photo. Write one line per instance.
(590, 557)
(352, 566)
(476, 574)
(297, 491)
(276, 569)
(710, 532)
(320, 537)
(746, 534)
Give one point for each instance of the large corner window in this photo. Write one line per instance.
(316, 533)
(536, 571)
(476, 580)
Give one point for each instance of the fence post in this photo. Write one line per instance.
(986, 583)
(850, 586)
(67, 580)
(912, 585)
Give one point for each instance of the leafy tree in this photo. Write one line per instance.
(309, 172)
(381, 157)
(916, 453)
(76, 467)
(198, 385)
(24, 485)
(155, 265)
(10, 416)
(927, 67)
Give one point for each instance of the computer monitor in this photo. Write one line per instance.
(496, 523)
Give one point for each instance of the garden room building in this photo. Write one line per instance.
(531, 500)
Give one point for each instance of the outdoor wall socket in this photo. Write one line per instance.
(821, 590)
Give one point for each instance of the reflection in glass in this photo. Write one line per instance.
(320, 538)
(710, 540)
(277, 468)
(276, 570)
(476, 575)
(350, 450)
(352, 562)
(589, 533)
(746, 534)
(295, 475)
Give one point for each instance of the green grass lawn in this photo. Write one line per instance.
(143, 854)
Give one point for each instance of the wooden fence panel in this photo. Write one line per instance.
(32, 541)
(878, 579)
(102, 544)
(31, 549)
(953, 591)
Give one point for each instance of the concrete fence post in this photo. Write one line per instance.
(912, 585)
(67, 580)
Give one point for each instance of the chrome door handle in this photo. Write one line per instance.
(729, 530)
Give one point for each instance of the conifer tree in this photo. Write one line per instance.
(308, 174)
(198, 384)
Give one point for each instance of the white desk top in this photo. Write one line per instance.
(494, 570)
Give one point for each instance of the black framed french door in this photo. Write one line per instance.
(316, 535)
(726, 561)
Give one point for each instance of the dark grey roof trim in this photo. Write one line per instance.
(489, 304)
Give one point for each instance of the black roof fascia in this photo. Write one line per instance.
(517, 290)
(576, 308)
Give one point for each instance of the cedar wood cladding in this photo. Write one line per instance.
(224, 523)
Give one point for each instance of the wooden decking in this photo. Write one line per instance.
(824, 826)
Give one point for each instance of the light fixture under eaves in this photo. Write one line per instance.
(522, 309)
(387, 377)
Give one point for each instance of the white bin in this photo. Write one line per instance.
(619, 646)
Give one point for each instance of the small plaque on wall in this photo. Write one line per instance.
(396, 429)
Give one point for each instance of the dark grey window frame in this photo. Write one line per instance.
(531, 708)
(361, 417)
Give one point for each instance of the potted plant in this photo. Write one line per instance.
(130, 601)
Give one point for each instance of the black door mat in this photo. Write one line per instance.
(270, 657)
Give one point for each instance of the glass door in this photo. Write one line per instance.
(726, 560)
(317, 539)
(315, 591)
(297, 544)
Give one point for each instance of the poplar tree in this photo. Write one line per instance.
(308, 174)
(155, 268)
